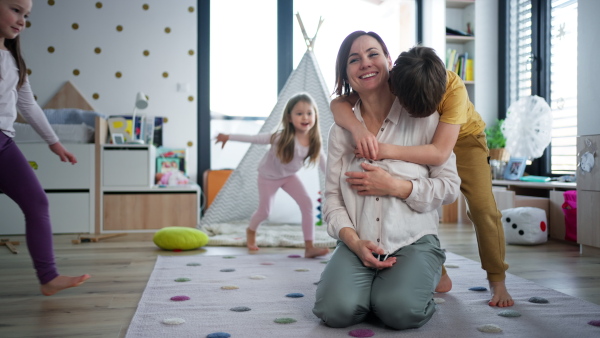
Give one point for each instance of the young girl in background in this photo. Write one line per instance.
(292, 147)
(17, 179)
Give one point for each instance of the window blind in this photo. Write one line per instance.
(562, 40)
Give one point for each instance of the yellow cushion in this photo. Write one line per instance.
(180, 238)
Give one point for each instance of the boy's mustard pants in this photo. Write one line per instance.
(474, 171)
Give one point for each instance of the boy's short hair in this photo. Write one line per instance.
(418, 79)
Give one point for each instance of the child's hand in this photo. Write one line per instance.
(64, 155)
(222, 138)
(366, 144)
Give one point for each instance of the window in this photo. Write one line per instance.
(243, 57)
(542, 60)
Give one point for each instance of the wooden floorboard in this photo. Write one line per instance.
(120, 268)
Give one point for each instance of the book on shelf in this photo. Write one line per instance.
(460, 64)
(469, 71)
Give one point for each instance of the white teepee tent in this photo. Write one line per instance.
(238, 198)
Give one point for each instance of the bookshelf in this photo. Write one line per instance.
(460, 38)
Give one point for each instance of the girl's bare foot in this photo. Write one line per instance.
(310, 251)
(445, 284)
(500, 296)
(62, 282)
(251, 240)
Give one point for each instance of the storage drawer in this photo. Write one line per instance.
(69, 213)
(128, 166)
(155, 210)
(55, 174)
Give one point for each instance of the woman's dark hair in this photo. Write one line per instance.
(342, 87)
(418, 79)
(14, 46)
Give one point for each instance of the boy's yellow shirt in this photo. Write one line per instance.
(456, 108)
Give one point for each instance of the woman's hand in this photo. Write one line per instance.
(365, 250)
(64, 155)
(222, 138)
(375, 181)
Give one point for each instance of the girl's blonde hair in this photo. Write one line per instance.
(284, 139)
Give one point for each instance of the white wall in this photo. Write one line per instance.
(174, 53)
(588, 68)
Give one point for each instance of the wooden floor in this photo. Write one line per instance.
(120, 268)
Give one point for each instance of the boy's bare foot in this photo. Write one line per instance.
(62, 282)
(500, 296)
(445, 284)
(251, 240)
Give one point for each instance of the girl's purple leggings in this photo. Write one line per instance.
(18, 181)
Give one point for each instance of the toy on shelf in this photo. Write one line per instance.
(319, 215)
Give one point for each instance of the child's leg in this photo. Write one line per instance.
(294, 187)
(402, 296)
(343, 296)
(474, 171)
(266, 196)
(18, 181)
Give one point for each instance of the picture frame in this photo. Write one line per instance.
(118, 138)
(166, 164)
(515, 168)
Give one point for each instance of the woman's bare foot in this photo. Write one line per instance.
(251, 240)
(500, 296)
(62, 282)
(445, 284)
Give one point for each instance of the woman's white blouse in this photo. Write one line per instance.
(389, 222)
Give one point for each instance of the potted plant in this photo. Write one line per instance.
(496, 142)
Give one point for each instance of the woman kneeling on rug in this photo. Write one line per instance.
(383, 213)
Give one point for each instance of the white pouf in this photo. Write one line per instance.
(525, 225)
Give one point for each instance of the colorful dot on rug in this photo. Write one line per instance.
(257, 277)
(324, 262)
(180, 298)
(183, 279)
(227, 270)
(173, 321)
(295, 295)
(361, 333)
(284, 320)
(478, 288)
(490, 328)
(240, 309)
(229, 287)
(538, 300)
(193, 264)
(267, 263)
(302, 270)
(509, 313)
(594, 322)
(218, 335)
(228, 257)
(294, 256)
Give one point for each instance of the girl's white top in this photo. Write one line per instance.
(270, 167)
(387, 221)
(12, 99)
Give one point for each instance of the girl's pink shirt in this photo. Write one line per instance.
(270, 167)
